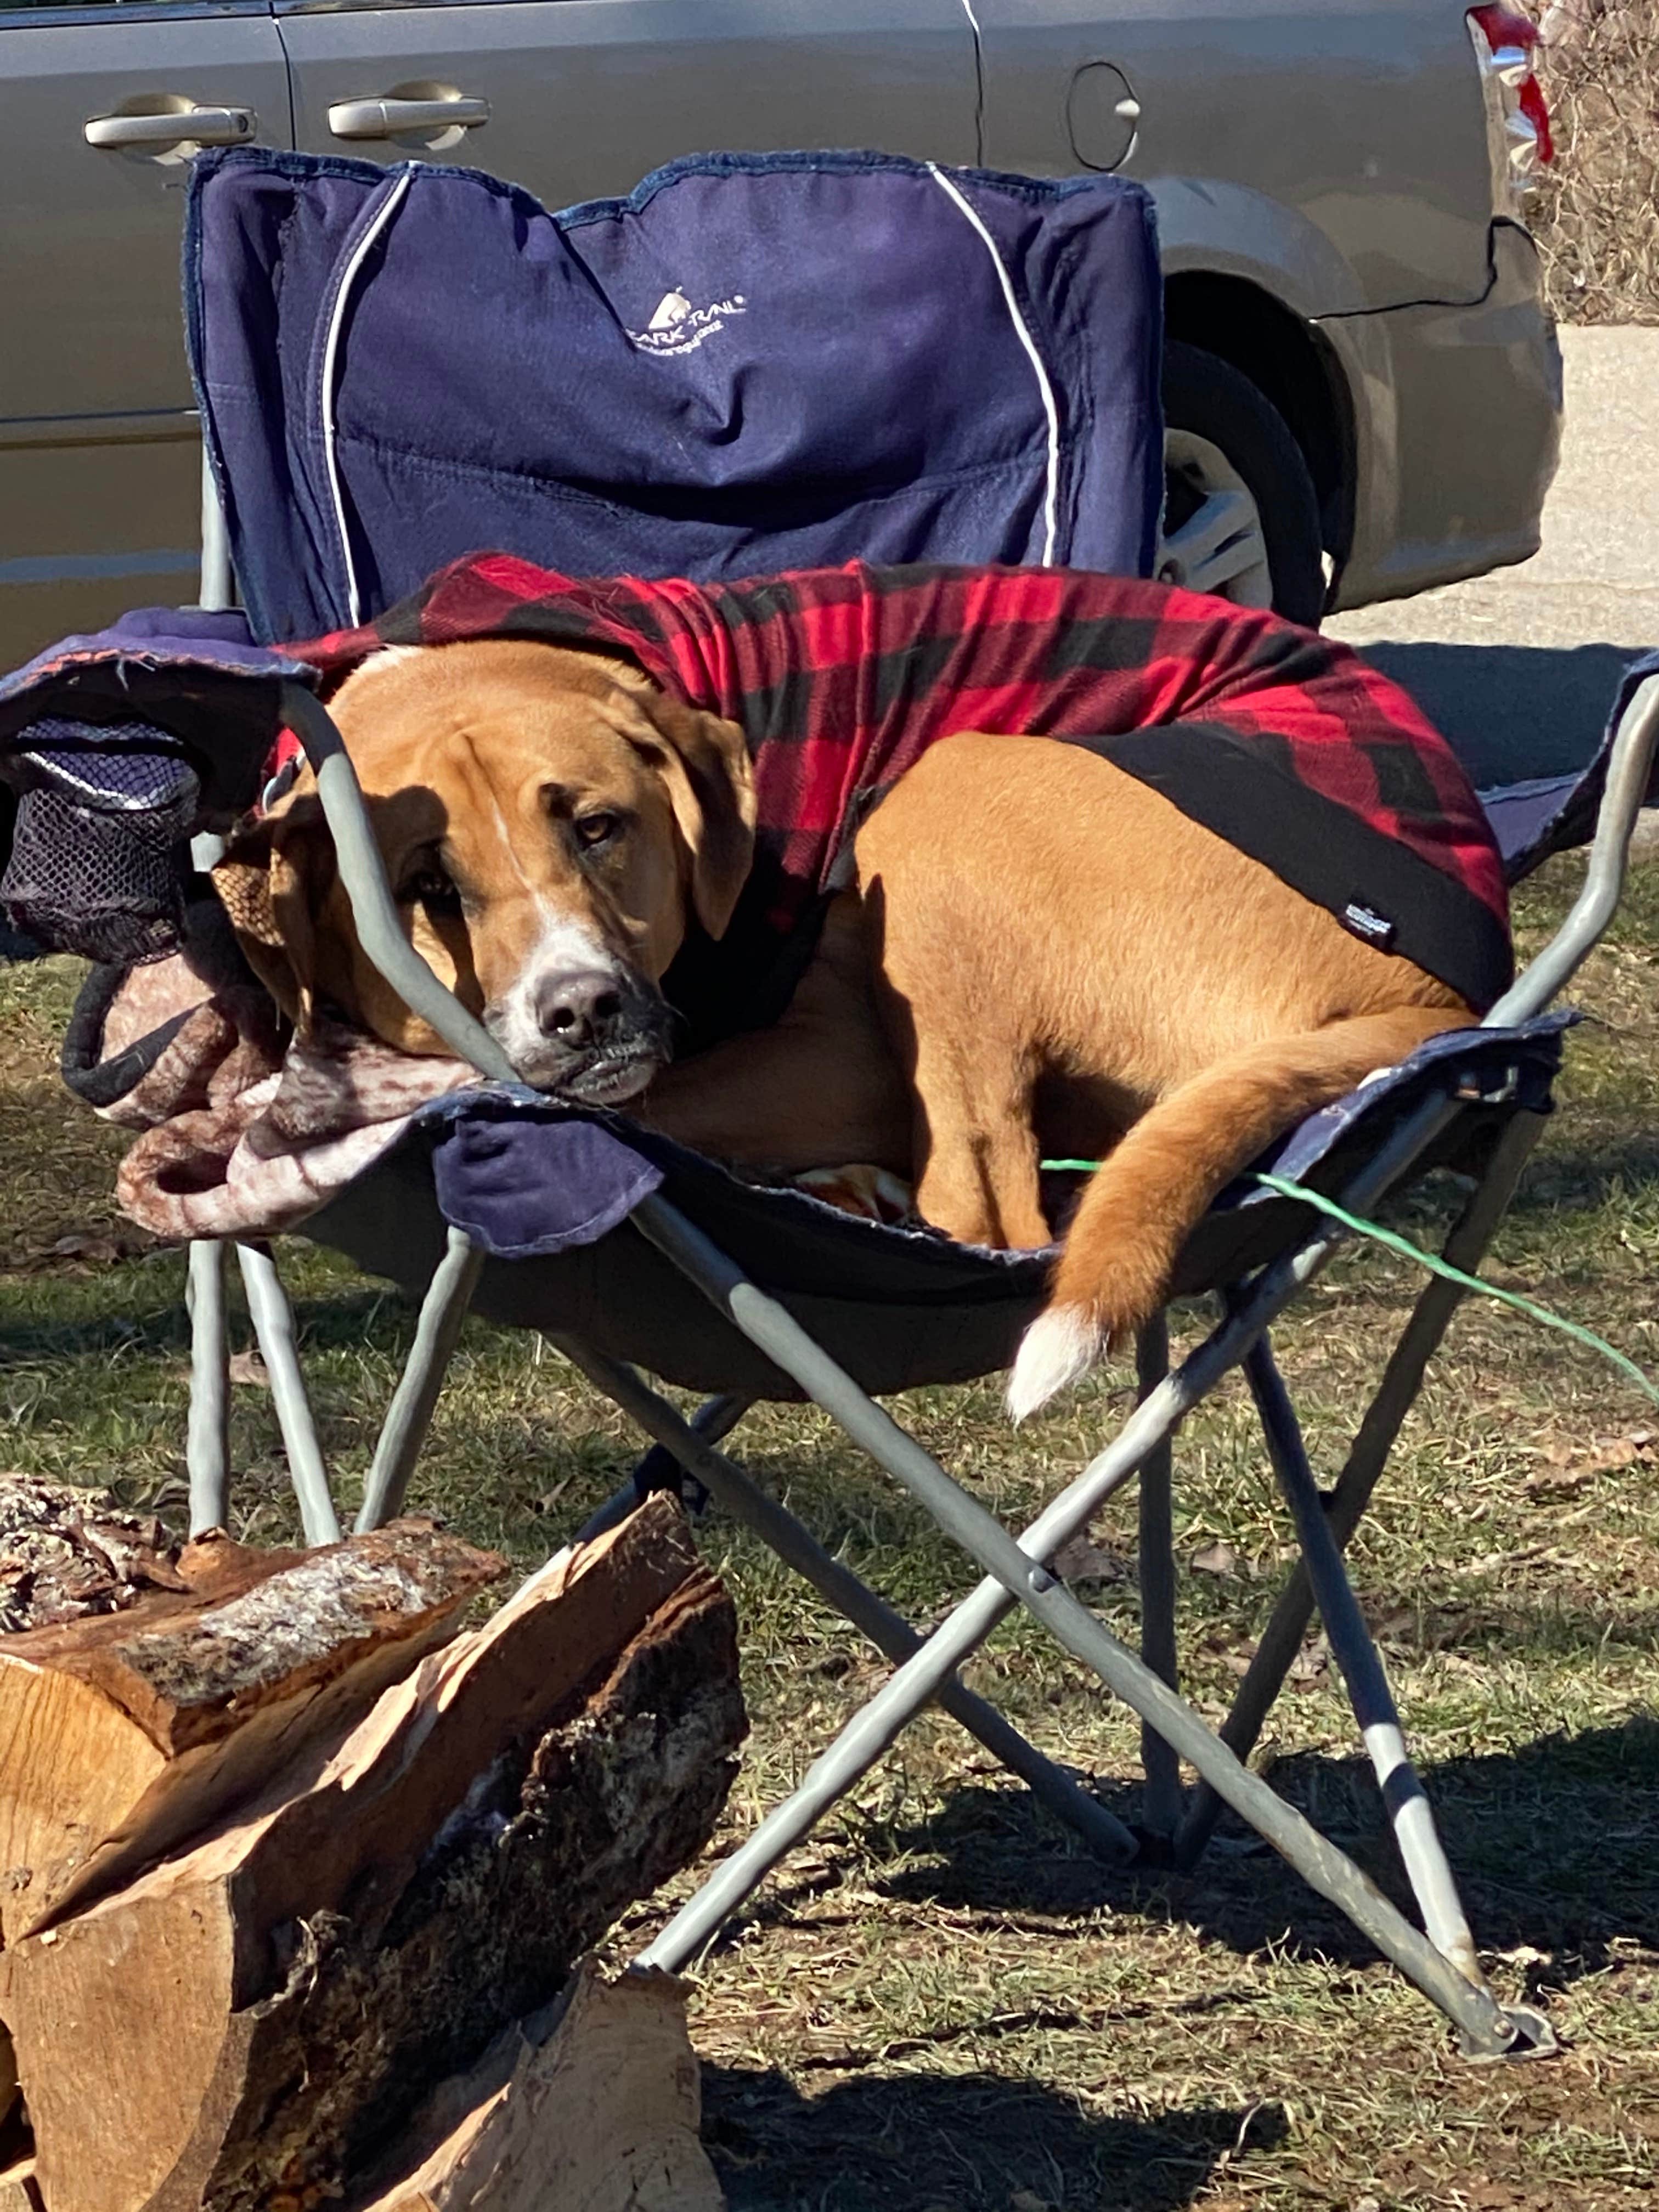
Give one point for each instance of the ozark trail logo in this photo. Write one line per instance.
(678, 327)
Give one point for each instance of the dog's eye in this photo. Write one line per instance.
(433, 890)
(595, 828)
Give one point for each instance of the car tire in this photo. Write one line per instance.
(1241, 513)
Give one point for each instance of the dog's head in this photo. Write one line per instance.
(550, 824)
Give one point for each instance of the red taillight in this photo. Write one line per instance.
(1533, 106)
(1518, 132)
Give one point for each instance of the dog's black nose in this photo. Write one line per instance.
(579, 1011)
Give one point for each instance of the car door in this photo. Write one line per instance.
(580, 99)
(99, 469)
(1333, 149)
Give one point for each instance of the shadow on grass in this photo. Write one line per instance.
(379, 1317)
(1555, 1845)
(886, 2142)
(1589, 1178)
(98, 1336)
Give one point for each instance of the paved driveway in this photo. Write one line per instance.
(1518, 667)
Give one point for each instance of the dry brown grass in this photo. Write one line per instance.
(1597, 219)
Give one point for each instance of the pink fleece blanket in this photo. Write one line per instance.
(244, 1130)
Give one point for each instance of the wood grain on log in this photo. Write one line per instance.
(251, 2022)
(122, 1734)
(590, 2106)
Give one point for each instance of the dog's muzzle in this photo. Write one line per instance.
(595, 1036)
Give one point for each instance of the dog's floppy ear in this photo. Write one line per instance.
(711, 787)
(271, 882)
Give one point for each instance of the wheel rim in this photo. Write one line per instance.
(1216, 542)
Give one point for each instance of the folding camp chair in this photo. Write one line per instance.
(623, 1247)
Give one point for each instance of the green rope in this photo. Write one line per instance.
(1393, 1242)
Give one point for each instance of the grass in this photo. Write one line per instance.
(1596, 215)
(939, 2003)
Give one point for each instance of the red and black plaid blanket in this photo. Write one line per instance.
(1285, 743)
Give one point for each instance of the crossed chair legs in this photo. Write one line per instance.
(1175, 1826)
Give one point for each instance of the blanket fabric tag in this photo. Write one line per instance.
(1366, 922)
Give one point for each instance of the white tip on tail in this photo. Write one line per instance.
(1059, 1349)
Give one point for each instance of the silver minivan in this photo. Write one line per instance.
(1362, 386)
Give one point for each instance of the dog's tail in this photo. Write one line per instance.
(1136, 1215)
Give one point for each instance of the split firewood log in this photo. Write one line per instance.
(123, 1731)
(249, 2024)
(591, 2105)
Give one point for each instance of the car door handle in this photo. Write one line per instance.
(197, 126)
(388, 119)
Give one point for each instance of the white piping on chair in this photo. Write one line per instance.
(383, 215)
(1051, 502)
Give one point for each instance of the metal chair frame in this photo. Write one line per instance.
(1439, 1958)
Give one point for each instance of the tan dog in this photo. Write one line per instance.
(1041, 955)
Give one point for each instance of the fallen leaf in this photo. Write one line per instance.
(1216, 1559)
(248, 1367)
(1027, 2200)
(1080, 1559)
(1606, 1452)
(97, 1250)
(1311, 1660)
(1557, 1482)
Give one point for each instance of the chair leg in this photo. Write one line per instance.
(273, 1324)
(1161, 1811)
(714, 1419)
(1016, 1575)
(409, 1416)
(735, 1494)
(207, 1444)
(1362, 1669)
(1484, 2028)
(1396, 1395)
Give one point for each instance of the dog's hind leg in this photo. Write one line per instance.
(1138, 1212)
(976, 1148)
